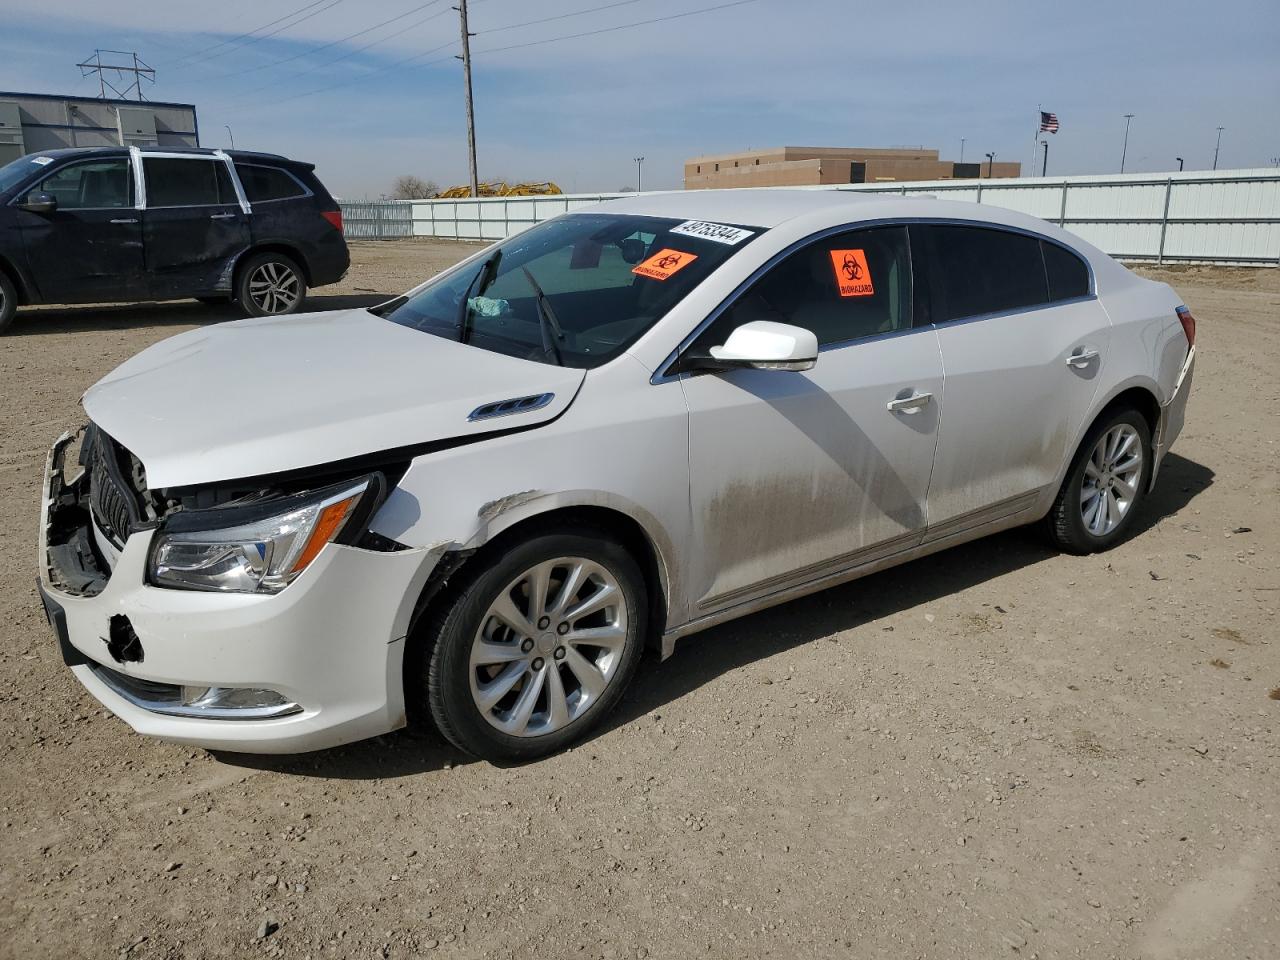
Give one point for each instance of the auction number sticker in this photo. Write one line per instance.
(719, 232)
(664, 263)
(853, 276)
(43, 161)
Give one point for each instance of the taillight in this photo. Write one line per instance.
(1188, 326)
(335, 218)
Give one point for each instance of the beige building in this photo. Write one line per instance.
(810, 166)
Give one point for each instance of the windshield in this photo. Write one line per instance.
(11, 174)
(577, 290)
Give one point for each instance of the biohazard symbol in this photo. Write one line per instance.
(853, 276)
(664, 263)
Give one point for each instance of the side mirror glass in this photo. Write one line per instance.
(765, 345)
(40, 203)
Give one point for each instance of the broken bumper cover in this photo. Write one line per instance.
(1174, 413)
(329, 647)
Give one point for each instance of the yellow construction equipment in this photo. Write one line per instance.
(500, 188)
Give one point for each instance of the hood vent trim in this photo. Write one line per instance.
(505, 408)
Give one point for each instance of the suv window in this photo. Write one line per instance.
(978, 270)
(94, 185)
(845, 287)
(182, 182)
(267, 183)
(1067, 273)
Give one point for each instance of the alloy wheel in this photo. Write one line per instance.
(1111, 477)
(273, 287)
(548, 646)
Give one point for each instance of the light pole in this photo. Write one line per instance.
(231, 135)
(1216, 147)
(991, 162)
(1125, 150)
(962, 139)
(639, 170)
(1179, 159)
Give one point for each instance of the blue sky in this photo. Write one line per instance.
(765, 73)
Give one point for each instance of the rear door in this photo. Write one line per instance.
(90, 248)
(797, 476)
(1022, 357)
(193, 224)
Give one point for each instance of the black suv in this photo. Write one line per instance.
(114, 224)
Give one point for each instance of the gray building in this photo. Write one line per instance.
(34, 122)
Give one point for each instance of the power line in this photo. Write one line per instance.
(562, 16)
(329, 5)
(241, 36)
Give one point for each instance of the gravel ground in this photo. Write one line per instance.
(995, 751)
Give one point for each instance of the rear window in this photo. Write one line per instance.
(268, 183)
(1067, 273)
(182, 182)
(978, 271)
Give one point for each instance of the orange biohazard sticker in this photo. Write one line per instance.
(664, 263)
(853, 276)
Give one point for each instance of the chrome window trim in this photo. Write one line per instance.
(14, 202)
(306, 191)
(217, 156)
(662, 374)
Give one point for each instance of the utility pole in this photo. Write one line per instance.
(139, 70)
(962, 139)
(991, 162)
(1216, 148)
(1125, 150)
(1179, 159)
(639, 169)
(471, 113)
(1044, 167)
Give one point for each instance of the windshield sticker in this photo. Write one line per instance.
(712, 231)
(853, 276)
(42, 160)
(664, 263)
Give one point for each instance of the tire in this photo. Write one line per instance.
(534, 672)
(270, 285)
(8, 301)
(1104, 487)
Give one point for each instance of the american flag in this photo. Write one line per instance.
(1048, 122)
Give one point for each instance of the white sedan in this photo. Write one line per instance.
(481, 501)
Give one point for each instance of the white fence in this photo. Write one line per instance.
(1225, 216)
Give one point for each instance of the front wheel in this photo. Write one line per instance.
(270, 284)
(535, 650)
(8, 301)
(1105, 485)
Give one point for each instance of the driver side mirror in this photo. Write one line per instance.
(766, 345)
(44, 203)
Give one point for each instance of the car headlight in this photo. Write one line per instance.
(260, 548)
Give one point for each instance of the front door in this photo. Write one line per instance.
(193, 226)
(1023, 341)
(797, 476)
(90, 248)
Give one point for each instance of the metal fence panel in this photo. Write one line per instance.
(1225, 216)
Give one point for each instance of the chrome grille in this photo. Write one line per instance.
(113, 505)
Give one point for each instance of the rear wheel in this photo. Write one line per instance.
(270, 284)
(8, 301)
(537, 649)
(1105, 485)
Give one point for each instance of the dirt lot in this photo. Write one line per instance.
(997, 751)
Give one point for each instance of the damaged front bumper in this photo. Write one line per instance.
(315, 666)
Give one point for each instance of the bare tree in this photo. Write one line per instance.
(410, 187)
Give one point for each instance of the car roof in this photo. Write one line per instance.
(194, 151)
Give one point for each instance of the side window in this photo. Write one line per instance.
(182, 182)
(91, 186)
(267, 183)
(977, 270)
(1067, 273)
(846, 287)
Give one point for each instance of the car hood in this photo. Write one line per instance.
(256, 397)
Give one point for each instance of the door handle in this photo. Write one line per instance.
(222, 216)
(125, 221)
(912, 404)
(1082, 357)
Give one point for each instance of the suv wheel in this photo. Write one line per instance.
(1105, 485)
(270, 284)
(8, 301)
(538, 648)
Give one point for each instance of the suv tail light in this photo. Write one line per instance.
(1188, 326)
(335, 218)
